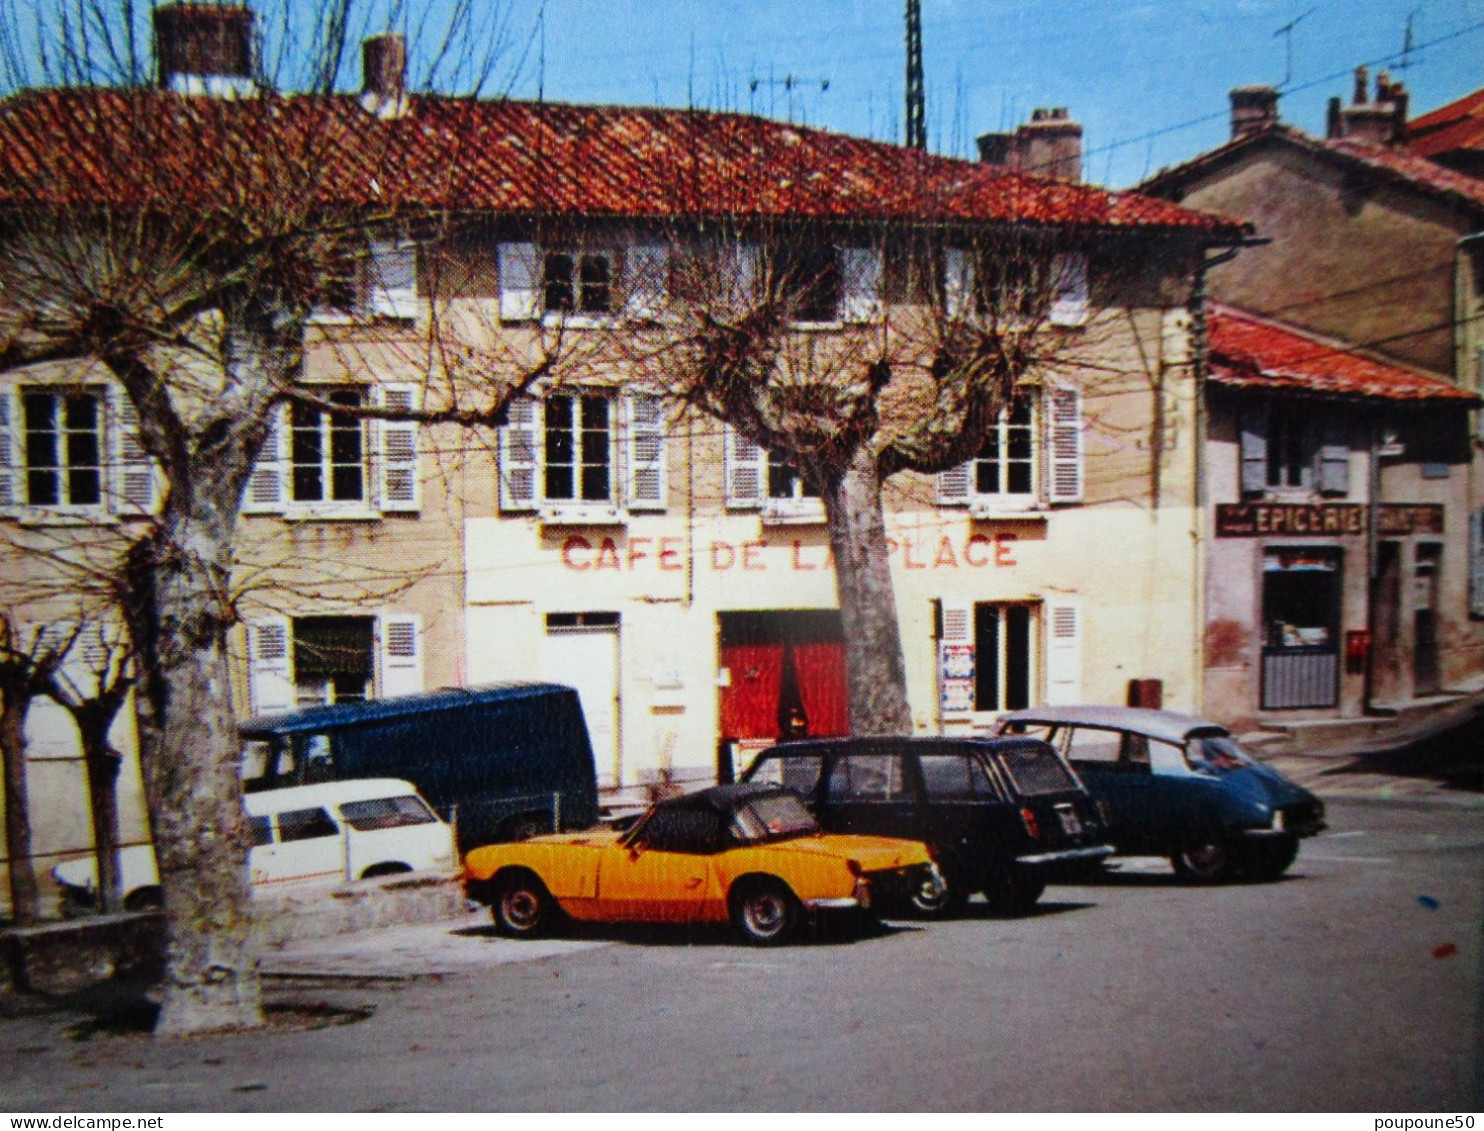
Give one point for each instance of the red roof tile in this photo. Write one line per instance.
(1458, 125)
(76, 146)
(1256, 353)
(1409, 166)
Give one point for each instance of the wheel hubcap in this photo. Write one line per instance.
(522, 908)
(765, 914)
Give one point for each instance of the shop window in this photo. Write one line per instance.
(1301, 609)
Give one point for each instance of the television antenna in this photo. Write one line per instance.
(1286, 31)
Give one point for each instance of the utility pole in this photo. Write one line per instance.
(916, 101)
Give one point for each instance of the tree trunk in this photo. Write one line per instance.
(875, 670)
(102, 763)
(24, 899)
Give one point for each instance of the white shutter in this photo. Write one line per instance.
(135, 478)
(738, 283)
(520, 282)
(1334, 454)
(860, 283)
(646, 451)
(399, 482)
(1063, 408)
(270, 664)
(1069, 305)
(400, 654)
(953, 484)
(1476, 564)
(268, 487)
(1063, 650)
(391, 280)
(958, 282)
(518, 452)
(10, 463)
(1254, 428)
(647, 268)
(956, 658)
(746, 468)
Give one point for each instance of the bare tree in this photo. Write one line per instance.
(180, 242)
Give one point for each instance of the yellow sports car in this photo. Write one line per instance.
(751, 854)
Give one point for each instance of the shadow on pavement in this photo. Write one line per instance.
(1454, 759)
(704, 934)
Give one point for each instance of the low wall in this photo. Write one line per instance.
(61, 957)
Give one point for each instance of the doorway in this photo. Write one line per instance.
(581, 650)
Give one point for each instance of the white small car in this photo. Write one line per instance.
(326, 833)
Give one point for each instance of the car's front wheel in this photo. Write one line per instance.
(939, 896)
(764, 911)
(522, 906)
(1211, 863)
(1267, 860)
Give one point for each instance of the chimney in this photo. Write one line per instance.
(995, 149)
(1381, 122)
(205, 48)
(1050, 145)
(1254, 109)
(384, 75)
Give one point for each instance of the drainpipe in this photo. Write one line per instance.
(1373, 563)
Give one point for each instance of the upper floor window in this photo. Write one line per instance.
(581, 283)
(329, 462)
(1011, 284)
(757, 479)
(578, 283)
(1289, 446)
(381, 283)
(583, 456)
(1032, 452)
(72, 448)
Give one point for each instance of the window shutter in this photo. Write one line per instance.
(136, 481)
(648, 271)
(646, 427)
(518, 450)
(520, 282)
(1063, 651)
(1476, 564)
(267, 486)
(1069, 305)
(1254, 427)
(860, 283)
(746, 465)
(1334, 456)
(953, 484)
(400, 655)
(391, 280)
(739, 271)
(271, 664)
(398, 480)
(956, 657)
(1064, 445)
(958, 282)
(10, 470)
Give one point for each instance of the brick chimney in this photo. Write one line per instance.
(1254, 109)
(384, 75)
(1049, 145)
(1380, 122)
(205, 48)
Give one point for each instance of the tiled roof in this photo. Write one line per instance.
(1251, 352)
(1386, 160)
(75, 146)
(1458, 125)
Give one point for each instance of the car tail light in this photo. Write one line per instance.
(1032, 826)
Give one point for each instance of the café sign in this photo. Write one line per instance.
(1260, 520)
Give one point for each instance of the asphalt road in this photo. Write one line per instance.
(1352, 985)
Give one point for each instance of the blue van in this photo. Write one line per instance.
(500, 762)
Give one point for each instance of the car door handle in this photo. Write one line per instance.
(695, 881)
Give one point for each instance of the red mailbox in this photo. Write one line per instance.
(1357, 650)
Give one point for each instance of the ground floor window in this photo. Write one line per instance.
(1002, 657)
(1300, 614)
(334, 658)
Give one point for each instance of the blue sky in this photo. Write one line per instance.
(1125, 68)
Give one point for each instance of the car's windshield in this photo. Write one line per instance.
(1216, 752)
(772, 816)
(1035, 769)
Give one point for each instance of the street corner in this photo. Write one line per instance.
(409, 952)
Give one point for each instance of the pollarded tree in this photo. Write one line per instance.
(173, 239)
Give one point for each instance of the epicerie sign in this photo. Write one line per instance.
(582, 554)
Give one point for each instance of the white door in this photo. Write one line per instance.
(587, 659)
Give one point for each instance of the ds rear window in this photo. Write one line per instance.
(1035, 769)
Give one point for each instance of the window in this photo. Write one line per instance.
(1013, 284)
(259, 832)
(1291, 446)
(990, 654)
(330, 463)
(311, 660)
(867, 777)
(1029, 432)
(798, 772)
(306, 824)
(1002, 652)
(582, 283)
(327, 452)
(63, 448)
(386, 813)
(756, 478)
(582, 456)
(808, 280)
(955, 777)
(379, 282)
